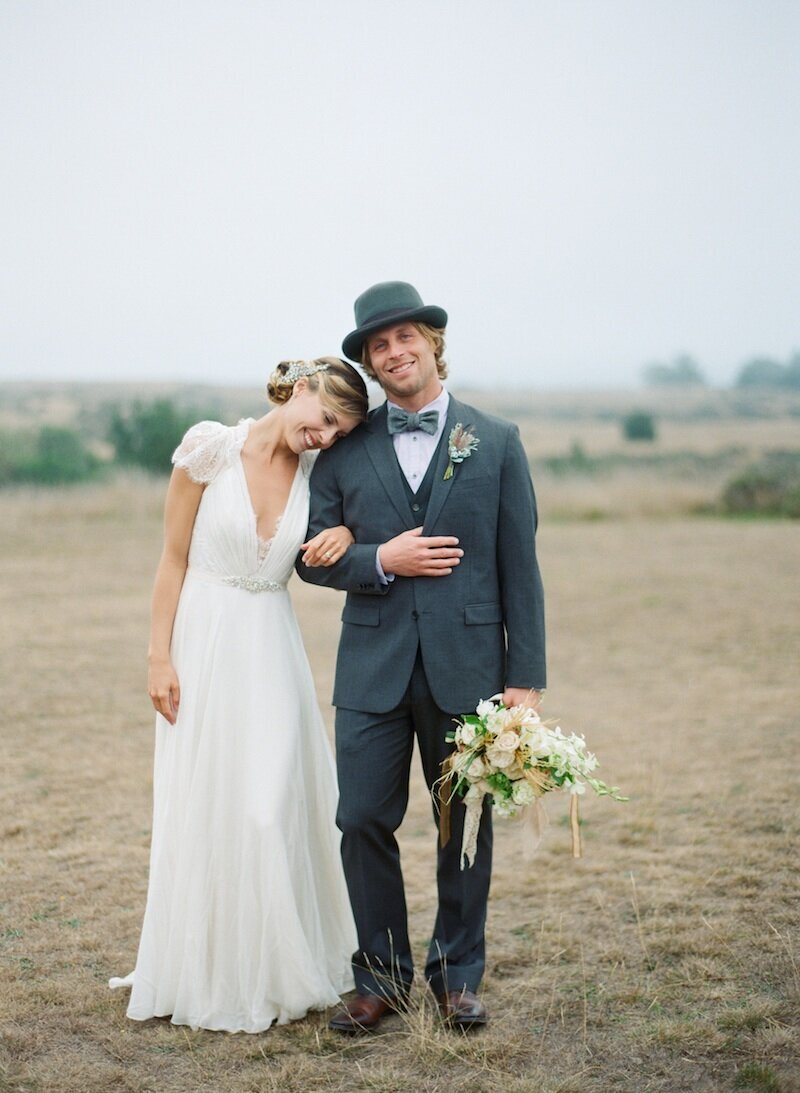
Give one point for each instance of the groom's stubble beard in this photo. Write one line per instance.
(398, 392)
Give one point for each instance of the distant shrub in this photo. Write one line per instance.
(146, 434)
(638, 425)
(770, 487)
(52, 457)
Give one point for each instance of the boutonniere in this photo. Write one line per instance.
(460, 444)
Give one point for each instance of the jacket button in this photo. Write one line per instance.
(415, 614)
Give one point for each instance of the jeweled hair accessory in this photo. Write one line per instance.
(298, 369)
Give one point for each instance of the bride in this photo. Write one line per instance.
(247, 920)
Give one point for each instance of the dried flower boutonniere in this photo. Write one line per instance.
(460, 444)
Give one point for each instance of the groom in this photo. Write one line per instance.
(444, 608)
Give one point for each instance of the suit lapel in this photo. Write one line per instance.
(441, 488)
(381, 452)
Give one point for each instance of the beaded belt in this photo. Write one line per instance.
(249, 584)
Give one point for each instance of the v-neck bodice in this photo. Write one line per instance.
(265, 545)
(225, 540)
(248, 493)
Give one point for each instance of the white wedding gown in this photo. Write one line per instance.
(247, 920)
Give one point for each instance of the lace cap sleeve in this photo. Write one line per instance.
(205, 450)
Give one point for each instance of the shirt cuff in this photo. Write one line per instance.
(384, 578)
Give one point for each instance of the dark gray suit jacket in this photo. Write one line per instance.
(479, 629)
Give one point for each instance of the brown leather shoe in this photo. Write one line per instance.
(363, 1013)
(462, 1009)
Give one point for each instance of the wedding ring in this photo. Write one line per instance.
(327, 554)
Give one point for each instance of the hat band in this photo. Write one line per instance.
(393, 313)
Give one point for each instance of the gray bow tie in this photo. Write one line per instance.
(401, 421)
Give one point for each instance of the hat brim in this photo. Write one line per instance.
(354, 342)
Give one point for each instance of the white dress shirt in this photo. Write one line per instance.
(414, 451)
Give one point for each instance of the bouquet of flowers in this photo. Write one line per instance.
(512, 756)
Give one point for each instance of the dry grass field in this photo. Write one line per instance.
(666, 959)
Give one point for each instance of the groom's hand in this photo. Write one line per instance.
(413, 554)
(517, 696)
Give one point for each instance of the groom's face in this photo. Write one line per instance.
(404, 365)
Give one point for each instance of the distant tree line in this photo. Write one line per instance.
(758, 372)
(684, 371)
(766, 372)
(53, 456)
(142, 435)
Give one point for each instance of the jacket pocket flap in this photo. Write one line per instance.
(362, 614)
(477, 614)
(467, 482)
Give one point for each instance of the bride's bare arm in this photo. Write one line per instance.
(180, 510)
(328, 546)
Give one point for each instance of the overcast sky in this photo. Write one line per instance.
(196, 189)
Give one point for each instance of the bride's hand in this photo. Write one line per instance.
(328, 547)
(164, 689)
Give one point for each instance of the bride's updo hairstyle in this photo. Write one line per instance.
(340, 386)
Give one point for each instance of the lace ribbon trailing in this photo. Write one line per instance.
(473, 807)
(534, 816)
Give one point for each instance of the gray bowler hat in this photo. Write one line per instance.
(387, 304)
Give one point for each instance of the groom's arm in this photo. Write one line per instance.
(409, 554)
(520, 581)
(356, 570)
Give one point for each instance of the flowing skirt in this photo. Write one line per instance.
(247, 920)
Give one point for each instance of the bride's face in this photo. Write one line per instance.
(311, 423)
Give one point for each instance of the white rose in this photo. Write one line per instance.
(476, 769)
(507, 741)
(465, 734)
(483, 709)
(496, 722)
(499, 758)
